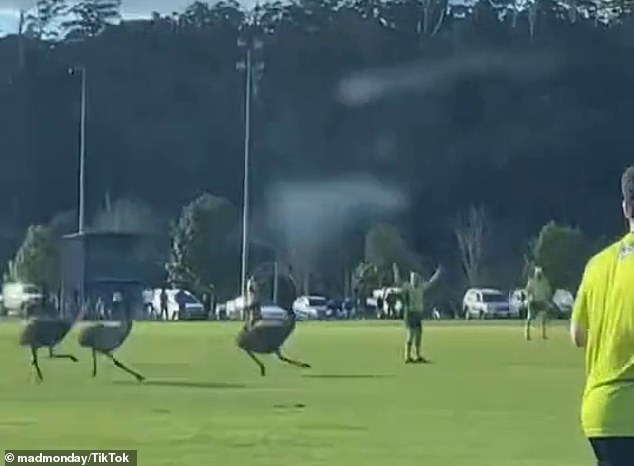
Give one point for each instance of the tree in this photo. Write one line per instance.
(37, 259)
(205, 246)
(90, 17)
(384, 246)
(471, 232)
(562, 252)
(41, 21)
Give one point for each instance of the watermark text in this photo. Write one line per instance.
(78, 457)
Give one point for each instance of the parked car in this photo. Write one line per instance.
(194, 309)
(485, 303)
(273, 312)
(234, 309)
(563, 301)
(310, 307)
(518, 303)
(16, 297)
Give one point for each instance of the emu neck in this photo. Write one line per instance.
(126, 322)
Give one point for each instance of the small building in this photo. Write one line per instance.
(97, 264)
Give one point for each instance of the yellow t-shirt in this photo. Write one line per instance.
(605, 307)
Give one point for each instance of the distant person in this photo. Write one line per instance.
(181, 302)
(539, 295)
(391, 299)
(214, 305)
(252, 303)
(523, 304)
(603, 323)
(117, 305)
(347, 308)
(413, 308)
(148, 298)
(163, 300)
(206, 302)
(380, 306)
(100, 309)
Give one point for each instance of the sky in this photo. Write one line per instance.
(130, 9)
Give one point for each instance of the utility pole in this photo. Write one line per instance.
(253, 68)
(275, 280)
(82, 147)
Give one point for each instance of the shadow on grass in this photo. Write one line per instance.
(181, 383)
(347, 376)
(290, 406)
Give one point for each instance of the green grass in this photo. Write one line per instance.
(488, 399)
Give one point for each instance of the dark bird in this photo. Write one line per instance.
(266, 337)
(47, 332)
(105, 337)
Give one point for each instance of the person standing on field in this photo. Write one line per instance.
(413, 307)
(252, 303)
(602, 322)
(539, 295)
(163, 300)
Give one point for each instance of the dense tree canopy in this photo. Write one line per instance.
(521, 110)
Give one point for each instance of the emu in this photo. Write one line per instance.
(266, 337)
(47, 332)
(105, 337)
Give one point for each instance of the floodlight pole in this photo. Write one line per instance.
(245, 180)
(82, 153)
(251, 43)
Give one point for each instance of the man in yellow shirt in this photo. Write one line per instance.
(539, 295)
(603, 323)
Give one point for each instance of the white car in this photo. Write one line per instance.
(310, 307)
(273, 312)
(234, 310)
(518, 303)
(16, 297)
(194, 309)
(563, 300)
(485, 303)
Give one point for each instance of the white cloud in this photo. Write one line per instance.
(134, 7)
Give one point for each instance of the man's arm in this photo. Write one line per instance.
(434, 278)
(579, 318)
(578, 334)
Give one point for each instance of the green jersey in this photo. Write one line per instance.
(413, 303)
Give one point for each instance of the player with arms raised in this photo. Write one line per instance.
(413, 306)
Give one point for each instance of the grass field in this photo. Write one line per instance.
(488, 399)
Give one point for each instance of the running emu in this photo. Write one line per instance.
(47, 332)
(266, 337)
(105, 337)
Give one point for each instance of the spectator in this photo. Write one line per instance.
(181, 300)
(163, 315)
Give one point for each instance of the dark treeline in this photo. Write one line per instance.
(524, 111)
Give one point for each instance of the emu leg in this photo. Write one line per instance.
(94, 363)
(52, 354)
(281, 357)
(120, 365)
(257, 361)
(35, 364)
